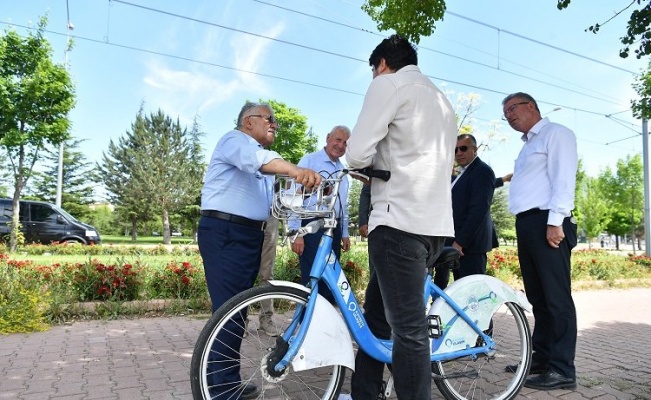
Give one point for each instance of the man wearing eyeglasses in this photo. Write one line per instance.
(327, 162)
(235, 203)
(472, 195)
(542, 198)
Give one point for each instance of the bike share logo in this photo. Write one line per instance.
(472, 303)
(454, 342)
(344, 286)
(352, 307)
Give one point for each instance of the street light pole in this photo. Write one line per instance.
(59, 191)
(555, 109)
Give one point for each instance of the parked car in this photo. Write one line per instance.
(45, 223)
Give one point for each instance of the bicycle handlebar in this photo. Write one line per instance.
(369, 172)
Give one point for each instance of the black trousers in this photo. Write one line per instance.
(546, 273)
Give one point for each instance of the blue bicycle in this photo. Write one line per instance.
(480, 337)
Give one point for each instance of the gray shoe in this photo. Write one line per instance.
(267, 325)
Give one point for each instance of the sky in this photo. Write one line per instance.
(205, 58)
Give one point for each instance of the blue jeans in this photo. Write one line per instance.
(394, 307)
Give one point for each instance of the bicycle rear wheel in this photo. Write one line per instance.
(487, 377)
(212, 357)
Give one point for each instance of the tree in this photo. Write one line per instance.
(637, 29)
(353, 206)
(116, 171)
(503, 220)
(625, 192)
(79, 180)
(410, 18)
(293, 138)
(163, 165)
(642, 108)
(5, 176)
(414, 19)
(35, 98)
(594, 210)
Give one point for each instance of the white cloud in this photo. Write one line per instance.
(194, 89)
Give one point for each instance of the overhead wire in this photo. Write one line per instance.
(133, 48)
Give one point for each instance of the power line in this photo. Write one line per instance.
(132, 48)
(540, 42)
(456, 56)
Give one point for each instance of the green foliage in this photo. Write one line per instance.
(503, 220)
(353, 206)
(414, 19)
(177, 280)
(642, 107)
(36, 96)
(80, 178)
(32, 294)
(293, 138)
(411, 19)
(624, 192)
(591, 201)
(155, 169)
(637, 30)
(21, 301)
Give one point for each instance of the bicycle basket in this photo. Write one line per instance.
(292, 200)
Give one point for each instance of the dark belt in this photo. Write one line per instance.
(235, 219)
(529, 213)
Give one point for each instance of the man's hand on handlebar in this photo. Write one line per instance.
(306, 177)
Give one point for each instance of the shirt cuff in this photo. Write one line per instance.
(555, 219)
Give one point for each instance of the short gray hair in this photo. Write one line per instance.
(249, 106)
(521, 95)
(340, 128)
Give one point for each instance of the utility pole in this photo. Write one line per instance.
(59, 192)
(647, 205)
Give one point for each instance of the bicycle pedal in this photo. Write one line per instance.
(434, 326)
(382, 395)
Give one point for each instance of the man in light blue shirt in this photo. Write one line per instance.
(235, 203)
(326, 162)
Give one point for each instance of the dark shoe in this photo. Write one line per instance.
(246, 391)
(550, 380)
(536, 369)
(250, 391)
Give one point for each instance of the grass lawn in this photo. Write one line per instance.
(115, 239)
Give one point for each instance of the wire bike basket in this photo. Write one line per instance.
(293, 201)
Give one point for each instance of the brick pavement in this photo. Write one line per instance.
(149, 358)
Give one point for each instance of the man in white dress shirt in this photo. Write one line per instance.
(542, 198)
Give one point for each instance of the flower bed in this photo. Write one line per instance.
(33, 295)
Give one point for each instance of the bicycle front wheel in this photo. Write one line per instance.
(234, 344)
(498, 375)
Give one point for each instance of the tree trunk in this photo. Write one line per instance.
(134, 231)
(167, 236)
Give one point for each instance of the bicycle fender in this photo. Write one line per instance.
(479, 296)
(327, 341)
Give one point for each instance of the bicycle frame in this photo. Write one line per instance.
(327, 270)
(481, 294)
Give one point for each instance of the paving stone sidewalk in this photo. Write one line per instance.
(149, 358)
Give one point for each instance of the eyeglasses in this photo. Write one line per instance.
(512, 108)
(269, 118)
(462, 148)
